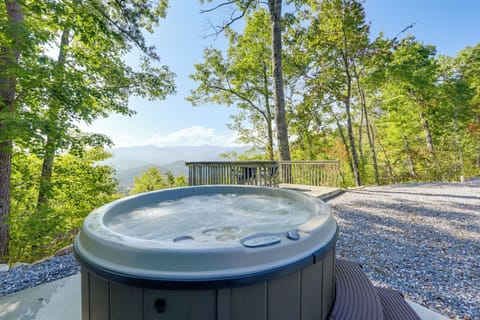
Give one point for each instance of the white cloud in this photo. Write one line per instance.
(194, 136)
(124, 141)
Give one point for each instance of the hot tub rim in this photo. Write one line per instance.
(205, 283)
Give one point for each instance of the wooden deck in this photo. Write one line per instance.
(265, 173)
(314, 191)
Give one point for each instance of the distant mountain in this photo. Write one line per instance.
(132, 161)
(126, 176)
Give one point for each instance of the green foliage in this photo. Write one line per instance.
(242, 78)
(152, 179)
(419, 111)
(79, 185)
(391, 110)
(63, 63)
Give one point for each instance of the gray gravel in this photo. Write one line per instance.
(31, 275)
(421, 239)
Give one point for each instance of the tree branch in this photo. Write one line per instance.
(233, 18)
(240, 96)
(217, 7)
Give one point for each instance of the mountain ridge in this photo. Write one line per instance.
(129, 162)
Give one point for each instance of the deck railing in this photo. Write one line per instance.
(233, 172)
(311, 173)
(264, 173)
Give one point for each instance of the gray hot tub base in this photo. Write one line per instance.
(295, 296)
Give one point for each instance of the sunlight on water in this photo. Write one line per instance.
(211, 218)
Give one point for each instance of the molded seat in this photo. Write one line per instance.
(394, 305)
(356, 298)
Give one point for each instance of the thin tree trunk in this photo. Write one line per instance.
(360, 132)
(47, 170)
(428, 134)
(351, 139)
(344, 140)
(53, 136)
(9, 58)
(347, 101)
(275, 9)
(270, 154)
(458, 144)
(478, 145)
(370, 137)
(371, 143)
(410, 165)
(478, 154)
(437, 172)
(389, 165)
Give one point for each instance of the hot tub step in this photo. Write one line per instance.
(394, 305)
(356, 298)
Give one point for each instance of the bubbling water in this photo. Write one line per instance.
(211, 218)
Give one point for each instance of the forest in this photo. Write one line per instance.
(310, 79)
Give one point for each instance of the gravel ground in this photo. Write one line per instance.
(31, 275)
(421, 239)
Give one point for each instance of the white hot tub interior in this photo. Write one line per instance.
(211, 218)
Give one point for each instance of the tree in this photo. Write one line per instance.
(11, 38)
(275, 13)
(152, 179)
(337, 38)
(43, 96)
(410, 98)
(83, 56)
(468, 65)
(458, 100)
(242, 78)
(275, 9)
(80, 184)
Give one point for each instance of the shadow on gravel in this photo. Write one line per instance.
(427, 249)
(421, 194)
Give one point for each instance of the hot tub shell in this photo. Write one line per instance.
(279, 275)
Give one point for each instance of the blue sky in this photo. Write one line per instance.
(450, 25)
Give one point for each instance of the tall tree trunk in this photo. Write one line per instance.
(268, 113)
(351, 140)
(53, 135)
(8, 58)
(347, 101)
(370, 138)
(275, 10)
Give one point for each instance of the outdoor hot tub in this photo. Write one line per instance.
(209, 252)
